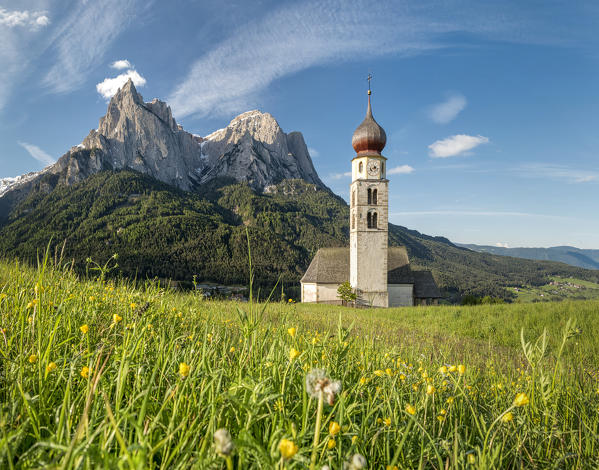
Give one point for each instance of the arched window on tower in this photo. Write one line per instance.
(360, 167)
(374, 221)
(369, 196)
(374, 196)
(369, 220)
(382, 169)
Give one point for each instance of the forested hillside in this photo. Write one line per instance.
(160, 231)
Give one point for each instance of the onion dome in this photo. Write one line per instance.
(369, 138)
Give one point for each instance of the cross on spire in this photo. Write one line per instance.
(369, 78)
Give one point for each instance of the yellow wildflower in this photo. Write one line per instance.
(50, 367)
(387, 421)
(33, 358)
(331, 444)
(32, 304)
(293, 353)
(391, 467)
(116, 318)
(441, 418)
(402, 377)
(452, 368)
(443, 369)
(184, 370)
(379, 373)
(287, 448)
(363, 380)
(334, 428)
(450, 400)
(232, 350)
(410, 409)
(389, 372)
(133, 305)
(354, 439)
(506, 418)
(521, 399)
(471, 459)
(461, 369)
(85, 372)
(291, 331)
(430, 389)
(84, 329)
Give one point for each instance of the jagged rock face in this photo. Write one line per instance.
(145, 137)
(254, 149)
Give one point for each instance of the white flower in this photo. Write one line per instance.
(223, 442)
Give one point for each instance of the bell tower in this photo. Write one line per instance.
(369, 208)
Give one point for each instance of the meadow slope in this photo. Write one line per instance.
(97, 373)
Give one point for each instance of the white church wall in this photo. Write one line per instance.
(401, 295)
(308, 292)
(328, 293)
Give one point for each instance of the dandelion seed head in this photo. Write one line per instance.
(223, 442)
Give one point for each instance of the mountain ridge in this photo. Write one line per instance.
(583, 258)
(145, 137)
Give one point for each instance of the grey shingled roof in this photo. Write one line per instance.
(331, 266)
(425, 286)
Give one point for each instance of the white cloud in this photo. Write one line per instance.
(455, 145)
(110, 86)
(501, 245)
(338, 176)
(454, 213)
(83, 39)
(37, 153)
(230, 76)
(400, 170)
(558, 172)
(121, 64)
(447, 111)
(313, 152)
(23, 18)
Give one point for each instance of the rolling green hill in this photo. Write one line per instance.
(160, 231)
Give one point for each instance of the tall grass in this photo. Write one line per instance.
(156, 373)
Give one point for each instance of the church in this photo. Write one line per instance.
(380, 275)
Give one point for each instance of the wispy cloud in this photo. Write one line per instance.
(558, 173)
(38, 153)
(313, 152)
(455, 145)
(448, 110)
(400, 170)
(338, 176)
(109, 86)
(502, 245)
(454, 213)
(83, 39)
(23, 18)
(229, 77)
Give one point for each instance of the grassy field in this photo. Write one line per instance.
(560, 288)
(100, 374)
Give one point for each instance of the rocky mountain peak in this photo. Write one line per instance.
(146, 138)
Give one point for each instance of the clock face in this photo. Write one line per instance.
(373, 167)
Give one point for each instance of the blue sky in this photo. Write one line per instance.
(490, 108)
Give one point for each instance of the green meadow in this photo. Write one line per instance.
(101, 373)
